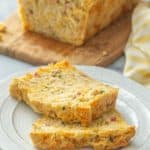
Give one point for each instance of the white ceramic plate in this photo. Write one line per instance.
(133, 102)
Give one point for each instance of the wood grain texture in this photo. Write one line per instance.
(102, 49)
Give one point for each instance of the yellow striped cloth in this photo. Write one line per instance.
(137, 51)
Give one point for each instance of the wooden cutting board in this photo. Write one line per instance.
(33, 48)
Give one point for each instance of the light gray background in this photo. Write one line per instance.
(9, 65)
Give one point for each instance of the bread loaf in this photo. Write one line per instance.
(71, 21)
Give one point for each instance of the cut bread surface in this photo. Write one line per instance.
(62, 91)
(109, 132)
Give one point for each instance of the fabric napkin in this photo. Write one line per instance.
(137, 50)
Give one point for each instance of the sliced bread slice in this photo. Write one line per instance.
(107, 133)
(62, 91)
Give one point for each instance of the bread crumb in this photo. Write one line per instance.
(104, 53)
(2, 27)
(2, 30)
(1, 36)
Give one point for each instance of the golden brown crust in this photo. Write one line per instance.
(107, 133)
(64, 92)
(102, 13)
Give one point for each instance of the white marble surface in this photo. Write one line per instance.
(9, 65)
